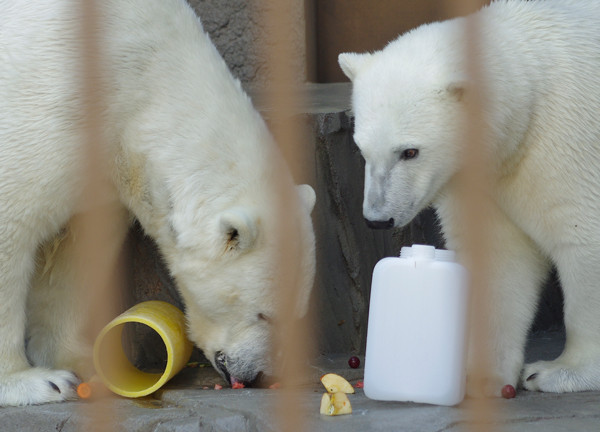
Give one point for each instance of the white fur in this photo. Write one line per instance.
(540, 61)
(190, 158)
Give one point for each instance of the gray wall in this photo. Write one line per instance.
(238, 30)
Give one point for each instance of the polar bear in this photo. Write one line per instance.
(540, 61)
(189, 157)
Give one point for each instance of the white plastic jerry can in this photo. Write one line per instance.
(417, 331)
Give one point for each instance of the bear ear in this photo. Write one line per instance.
(352, 63)
(308, 196)
(239, 229)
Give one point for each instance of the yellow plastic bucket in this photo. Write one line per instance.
(113, 366)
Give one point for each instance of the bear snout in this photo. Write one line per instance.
(227, 369)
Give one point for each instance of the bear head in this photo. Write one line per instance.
(232, 298)
(407, 101)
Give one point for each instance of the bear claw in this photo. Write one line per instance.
(531, 377)
(54, 386)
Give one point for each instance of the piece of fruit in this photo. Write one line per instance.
(335, 404)
(218, 387)
(359, 384)
(237, 385)
(91, 389)
(335, 384)
(84, 390)
(508, 392)
(354, 362)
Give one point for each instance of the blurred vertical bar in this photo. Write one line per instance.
(284, 95)
(475, 184)
(100, 226)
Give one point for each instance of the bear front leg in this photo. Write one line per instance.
(578, 367)
(516, 272)
(57, 310)
(59, 307)
(20, 384)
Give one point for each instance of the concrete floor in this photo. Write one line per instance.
(189, 403)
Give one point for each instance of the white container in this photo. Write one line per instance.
(417, 332)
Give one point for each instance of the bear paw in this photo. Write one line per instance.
(37, 386)
(560, 377)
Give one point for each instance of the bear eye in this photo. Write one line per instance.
(409, 154)
(263, 317)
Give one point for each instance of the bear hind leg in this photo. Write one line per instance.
(578, 367)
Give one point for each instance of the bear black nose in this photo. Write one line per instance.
(221, 364)
(380, 224)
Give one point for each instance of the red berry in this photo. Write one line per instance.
(508, 392)
(360, 384)
(354, 362)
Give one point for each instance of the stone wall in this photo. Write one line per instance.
(238, 30)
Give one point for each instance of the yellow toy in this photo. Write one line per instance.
(114, 368)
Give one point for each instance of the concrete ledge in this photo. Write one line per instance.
(184, 406)
(315, 98)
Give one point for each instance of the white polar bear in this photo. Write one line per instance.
(191, 159)
(540, 61)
